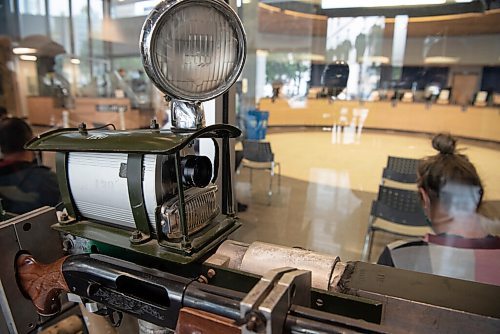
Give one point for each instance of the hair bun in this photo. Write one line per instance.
(444, 143)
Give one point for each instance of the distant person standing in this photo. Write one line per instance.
(277, 84)
(24, 186)
(121, 84)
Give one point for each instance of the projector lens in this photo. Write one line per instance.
(196, 49)
(196, 171)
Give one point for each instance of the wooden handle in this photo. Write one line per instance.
(193, 321)
(41, 282)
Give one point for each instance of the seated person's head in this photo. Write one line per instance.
(14, 134)
(449, 184)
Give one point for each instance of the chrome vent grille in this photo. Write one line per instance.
(201, 206)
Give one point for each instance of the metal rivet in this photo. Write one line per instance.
(210, 273)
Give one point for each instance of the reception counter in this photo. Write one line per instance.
(93, 111)
(472, 122)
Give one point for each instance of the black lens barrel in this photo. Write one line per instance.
(196, 171)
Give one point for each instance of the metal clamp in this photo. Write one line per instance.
(265, 307)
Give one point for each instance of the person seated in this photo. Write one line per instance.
(24, 186)
(451, 193)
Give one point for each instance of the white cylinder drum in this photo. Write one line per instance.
(99, 191)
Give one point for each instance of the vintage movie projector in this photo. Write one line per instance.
(146, 235)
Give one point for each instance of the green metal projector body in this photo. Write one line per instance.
(139, 231)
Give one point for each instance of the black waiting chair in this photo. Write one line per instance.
(258, 155)
(395, 211)
(400, 172)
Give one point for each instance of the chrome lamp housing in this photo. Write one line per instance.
(193, 51)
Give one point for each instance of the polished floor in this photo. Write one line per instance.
(328, 181)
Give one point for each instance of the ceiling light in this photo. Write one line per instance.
(261, 53)
(326, 4)
(75, 61)
(309, 57)
(317, 57)
(21, 51)
(375, 59)
(441, 60)
(28, 57)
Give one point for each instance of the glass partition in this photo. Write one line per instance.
(59, 22)
(389, 57)
(415, 68)
(446, 53)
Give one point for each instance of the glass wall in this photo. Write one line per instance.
(59, 24)
(413, 70)
(32, 17)
(389, 57)
(69, 51)
(447, 53)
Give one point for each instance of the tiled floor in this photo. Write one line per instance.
(329, 180)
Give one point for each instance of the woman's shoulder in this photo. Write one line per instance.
(490, 225)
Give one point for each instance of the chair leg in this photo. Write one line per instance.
(365, 254)
(270, 193)
(279, 176)
(372, 237)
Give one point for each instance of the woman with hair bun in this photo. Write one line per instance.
(451, 192)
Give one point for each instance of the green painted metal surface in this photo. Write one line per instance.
(327, 301)
(210, 237)
(182, 202)
(347, 305)
(135, 192)
(62, 180)
(147, 141)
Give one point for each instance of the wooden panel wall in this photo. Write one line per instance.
(474, 122)
(42, 112)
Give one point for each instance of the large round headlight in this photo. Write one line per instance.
(193, 50)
